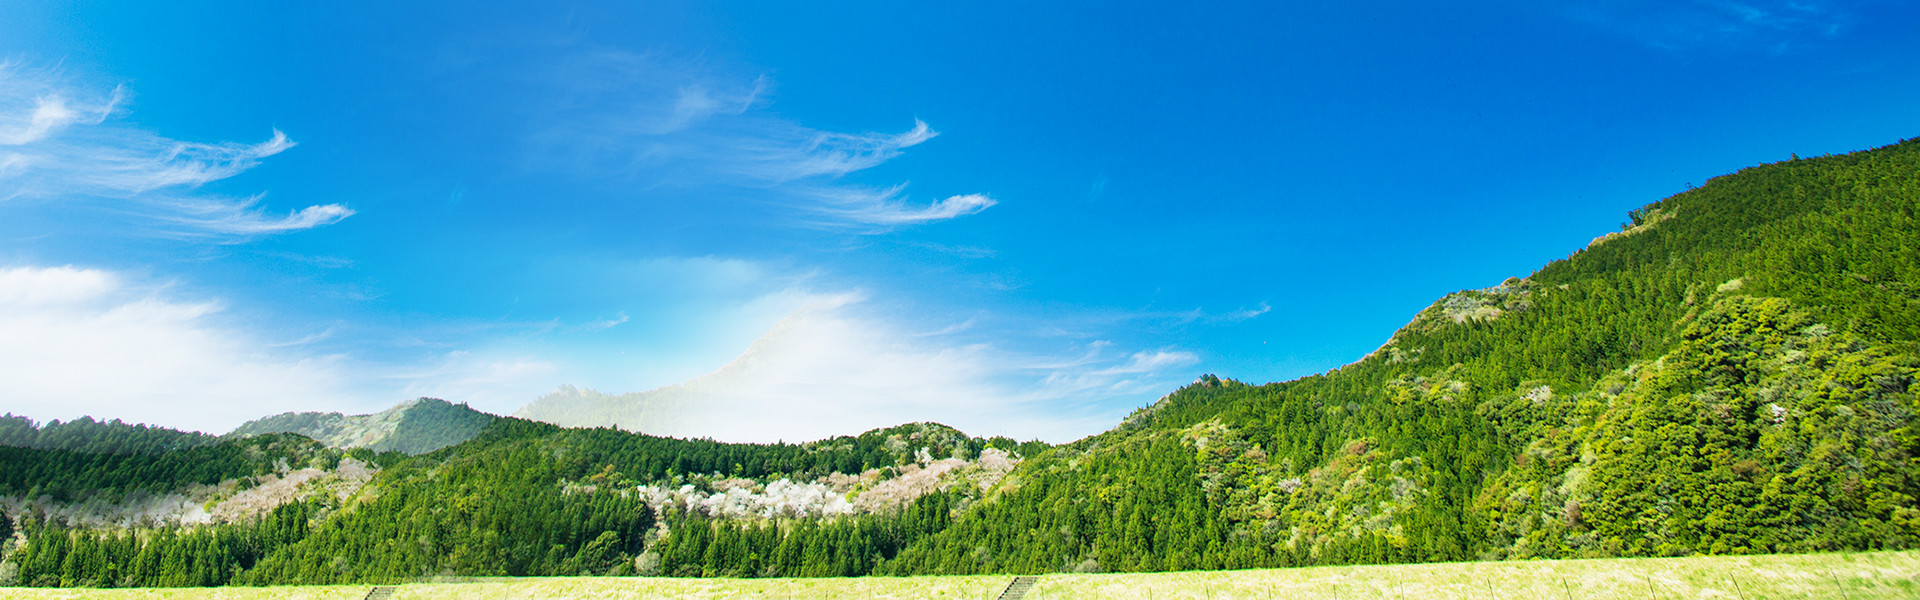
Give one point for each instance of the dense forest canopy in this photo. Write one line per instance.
(1732, 372)
(97, 437)
(65, 475)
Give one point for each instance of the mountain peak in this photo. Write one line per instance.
(416, 426)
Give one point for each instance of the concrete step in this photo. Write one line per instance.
(1018, 588)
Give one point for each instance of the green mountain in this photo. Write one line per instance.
(413, 427)
(523, 498)
(529, 498)
(100, 437)
(40, 487)
(79, 477)
(1732, 372)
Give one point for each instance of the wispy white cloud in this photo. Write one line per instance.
(307, 339)
(696, 103)
(1248, 313)
(1769, 25)
(488, 379)
(950, 329)
(1192, 315)
(60, 142)
(672, 123)
(1099, 375)
(49, 113)
(243, 217)
(886, 209)
(608, 323)
(960, 251)
(834, 154)
(1150, 362)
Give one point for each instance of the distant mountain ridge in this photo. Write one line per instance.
(723, 404)
(818, 372)
(666, 411)
(413, 427)
(86, 434)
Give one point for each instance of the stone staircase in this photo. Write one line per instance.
(1018, 589)
(381, 593)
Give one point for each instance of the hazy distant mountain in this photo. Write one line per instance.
(649, 411)
(814, 374)
(413, 427)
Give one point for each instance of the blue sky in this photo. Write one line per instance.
(1016, 219)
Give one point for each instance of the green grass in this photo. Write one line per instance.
(1859, 576)
(1843, 576)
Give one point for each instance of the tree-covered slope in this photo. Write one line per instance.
(100, 437)
(1733, 372)
(413, 427)
(528, 498)
(522, 498)
(66, 475)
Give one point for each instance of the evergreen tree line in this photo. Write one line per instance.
(527, 498)
(522, 498)
(68, 476)
(832, 547)
(58, 556)
(97, 437)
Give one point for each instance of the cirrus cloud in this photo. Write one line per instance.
(60, 143)
(672, 123)
(1772, 25)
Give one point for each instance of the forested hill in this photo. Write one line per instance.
(528, 498)
(521, 498)
(413, 427)
(100, 437)
(1734, 372)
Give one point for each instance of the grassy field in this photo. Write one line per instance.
(1858, 576)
